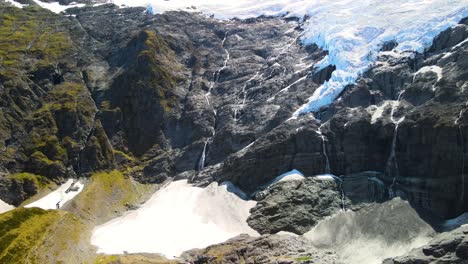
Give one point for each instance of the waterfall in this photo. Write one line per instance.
(244, 95)
(217, 73)
(201, 163)
(324, 150)
(343, 205)
(214, 80)
(392, 162)
(462, 181)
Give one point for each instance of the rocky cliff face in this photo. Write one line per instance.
(211, 100)
(186, 96)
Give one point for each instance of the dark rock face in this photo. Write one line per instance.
(430, 141)
(428, 166)
(265, 249)
(14, 192)
(295, 206)
(47, 111)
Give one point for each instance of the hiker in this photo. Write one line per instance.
(58, 205)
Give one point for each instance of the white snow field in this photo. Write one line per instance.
(176, 218)
(4, 207)
(60, 195)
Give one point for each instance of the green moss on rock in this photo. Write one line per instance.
(30, 37)
(38, 180)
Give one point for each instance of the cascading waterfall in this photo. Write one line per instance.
(217, 73)
(215, 79)
(392, 163)
(274, 57)
(244, 95)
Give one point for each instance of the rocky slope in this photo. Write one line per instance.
(186, 96)
(451, 247)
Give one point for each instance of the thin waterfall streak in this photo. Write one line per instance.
(324, 150)
(201, 163)
(392, 162)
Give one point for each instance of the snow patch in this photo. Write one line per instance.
(378, 111)
(62, 195)
(178, 217)
(436, 69)
(4, 207)
(286, 233)
(327, 177)
(293, 175)
(56, 7)
(14, 3)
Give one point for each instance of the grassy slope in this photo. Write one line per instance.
(34, 235)
(107, 195)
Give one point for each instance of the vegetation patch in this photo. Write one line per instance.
(38, 180)
(33, 235)
(30, 37)
(134, 259)
(108, 193)
(304, 258)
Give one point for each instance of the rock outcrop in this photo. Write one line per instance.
(265, 249)
(450, 247)
(295, 206)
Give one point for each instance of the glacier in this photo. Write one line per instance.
(353, 32)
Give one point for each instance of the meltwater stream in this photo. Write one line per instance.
(215, 79)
